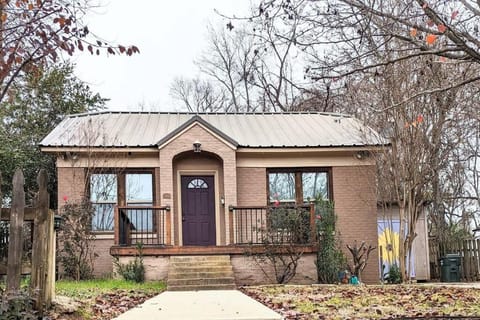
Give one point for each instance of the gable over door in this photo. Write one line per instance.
(198, 210)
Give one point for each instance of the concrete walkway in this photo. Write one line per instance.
(201, 305)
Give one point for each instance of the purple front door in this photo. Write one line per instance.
(198, 210)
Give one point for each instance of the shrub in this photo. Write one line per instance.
(133, 270)
(330, 258)
(17, 307)
(286, 228)
(76, 241)
(394, 275)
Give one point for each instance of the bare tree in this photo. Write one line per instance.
(35, 33)
(199, 95)
(421, 168)
(342, 38)
(252, 70)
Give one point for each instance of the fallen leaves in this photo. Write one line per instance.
(367, 302)
(107, 305)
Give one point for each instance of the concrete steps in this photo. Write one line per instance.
(191, 273)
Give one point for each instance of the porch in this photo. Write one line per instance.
(252, 228)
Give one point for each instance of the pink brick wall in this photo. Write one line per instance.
(355, 205)
(248, 271)
(71, 184)
(252, 186)
(103, 265)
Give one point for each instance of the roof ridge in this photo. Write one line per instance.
(101, 112)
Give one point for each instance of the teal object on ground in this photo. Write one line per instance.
(354, 280)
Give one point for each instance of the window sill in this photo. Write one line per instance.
(103, 235)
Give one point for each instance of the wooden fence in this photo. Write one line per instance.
(37, 224)
(469, 250)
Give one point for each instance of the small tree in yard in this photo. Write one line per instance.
(77, 253)
(330, 258)
(360, 257)
(286, 229)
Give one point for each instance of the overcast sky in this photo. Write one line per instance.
(169, 34)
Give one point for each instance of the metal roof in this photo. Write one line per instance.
(254, 130)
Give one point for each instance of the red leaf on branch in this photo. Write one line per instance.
(441, 28)
(413, 32)
(454, 14)
(431, 38)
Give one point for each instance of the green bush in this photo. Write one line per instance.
(133, 270)
(330, 258)
(17, 307)
(394, 275)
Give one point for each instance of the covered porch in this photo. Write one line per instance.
(251, 228)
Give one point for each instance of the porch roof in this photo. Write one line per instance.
(253, 130)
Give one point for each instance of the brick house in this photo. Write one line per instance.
(200, 184)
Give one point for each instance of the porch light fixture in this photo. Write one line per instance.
(360, 155)
(222, 200)
(57, 222)
(197, 146)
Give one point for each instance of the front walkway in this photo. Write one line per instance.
(201, 305)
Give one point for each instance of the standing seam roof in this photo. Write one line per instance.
(256, 130)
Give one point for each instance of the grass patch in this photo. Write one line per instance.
(92, 288)
(101, 299)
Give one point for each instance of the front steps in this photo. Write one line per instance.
(189, 273)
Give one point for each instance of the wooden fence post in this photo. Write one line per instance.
(42, 251)
(15, 245)
(1, 197)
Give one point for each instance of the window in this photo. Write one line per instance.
(314, 185)
(298, 185)
(103, 195)
(282, 187)
(139, 192)
(197, 184)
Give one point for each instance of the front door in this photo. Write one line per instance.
(198, 210)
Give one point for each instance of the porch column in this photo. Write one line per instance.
(230, 185)
(166, 188)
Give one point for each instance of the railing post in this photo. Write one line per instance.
(116, 226)
(15, 245)
(126, 223)
(168, 223)
(231, 225)
(313, 227)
